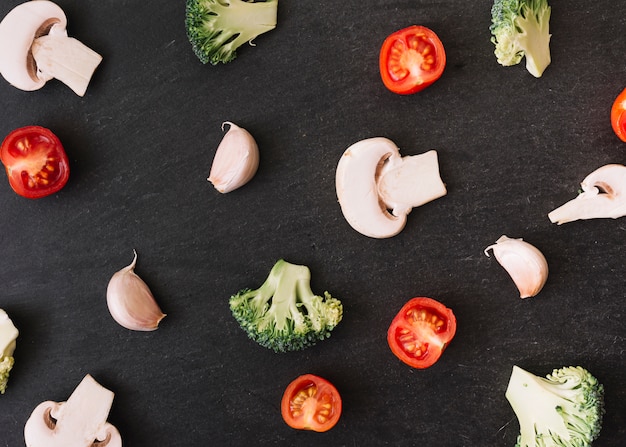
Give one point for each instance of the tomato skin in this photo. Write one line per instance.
(411, 59)
(421, 331)
(35, 162)
(618, 116)
(311, 403)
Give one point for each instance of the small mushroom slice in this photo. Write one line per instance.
(603, 196)
(377, 188)
(79, 422)
(34, 48)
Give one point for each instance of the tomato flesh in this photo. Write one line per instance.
(35, 162)
(311, 403)
(420, 332)
(411, 59)
(618, 116)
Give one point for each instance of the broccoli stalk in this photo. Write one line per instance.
(284, 314)
(521, 28)
(216, 28)
(564, 409)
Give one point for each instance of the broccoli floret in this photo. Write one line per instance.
(6, 363)
(216, 28)
(565, 409)
(8, 335)
(522, 28)
(284, 314)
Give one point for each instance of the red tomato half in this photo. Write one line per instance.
(618, 116)
(411, 59)
(35, 161)
(421, 331)
(311, 403)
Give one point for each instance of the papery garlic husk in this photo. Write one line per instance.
(236, 159)
(525, 264)
(131, 302)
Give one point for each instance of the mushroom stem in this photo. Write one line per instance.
(411, 181)
(66, 59)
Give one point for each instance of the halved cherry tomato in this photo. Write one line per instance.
(311, 403)
(411, 59)
(421, 331)
(35, 161)
(618, 116)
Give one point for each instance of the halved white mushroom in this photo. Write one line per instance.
(79, 422)
(377, 188)
(34, 48)
(603, 195)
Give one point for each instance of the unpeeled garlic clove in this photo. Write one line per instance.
(131, 302)
(236, 159)
(525, 264)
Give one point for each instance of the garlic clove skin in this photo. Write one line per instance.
(236, 159)
(131, 302)
(524, 263)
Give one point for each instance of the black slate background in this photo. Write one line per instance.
(141, 143)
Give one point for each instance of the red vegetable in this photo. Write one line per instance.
(421, 331)
(618, 116)
(311, 403)
(35, 161)
(411, 59)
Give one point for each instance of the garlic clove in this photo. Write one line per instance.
(236, 159)
(131, 302)
(525, 264)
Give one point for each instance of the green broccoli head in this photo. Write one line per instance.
(6, 363)
(521, 28)
(284, 314)
(565, 409)
(216, 28)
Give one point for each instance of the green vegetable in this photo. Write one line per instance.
(565, 409)
(284, 314)
(6, 363)
(216, 28)
(522, 28)
(8, 335)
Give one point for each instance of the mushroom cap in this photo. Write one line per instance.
(357, 189)
(20, 27)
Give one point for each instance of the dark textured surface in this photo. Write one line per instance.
(141, 142)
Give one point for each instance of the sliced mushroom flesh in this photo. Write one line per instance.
(377, 187)
(603, 196)
(34, 48)
(78, 422)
